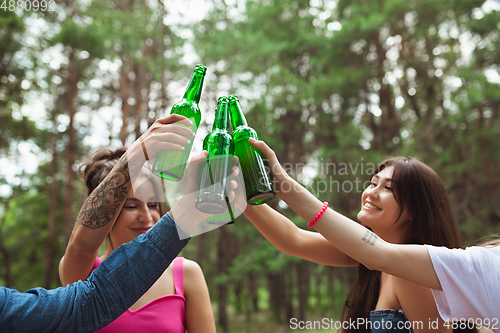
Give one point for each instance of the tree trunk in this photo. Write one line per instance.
(288, 292)
(252, 288)
(277, 295)
(71, 147)
(139, 86)
(5, 253)
(51, 220)
(222, 267)
(330, 287)
(124, 95)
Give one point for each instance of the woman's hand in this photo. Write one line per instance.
(281, 180)
(169, 133)
(184, 212)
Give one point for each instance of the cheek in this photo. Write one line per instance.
(124, 218)
(392, 205)
(155, 215)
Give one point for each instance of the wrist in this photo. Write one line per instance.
(285, 186)
(186, 215)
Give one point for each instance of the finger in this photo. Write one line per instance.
(199, 158)
(233, 184)
(264, 148)
(169, 146)
(235, 171)
(260, 145)
(175, 118)
(173, 128)
(231, 196)
(169, 137)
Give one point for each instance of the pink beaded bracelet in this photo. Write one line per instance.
(321, 212)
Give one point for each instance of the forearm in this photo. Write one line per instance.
(276, 228)
(102, 207)
(95, 220)
(288, 238)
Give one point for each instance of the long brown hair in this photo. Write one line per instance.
(418, 189)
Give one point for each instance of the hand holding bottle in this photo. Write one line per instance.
(168, 133)
(282, 182)
(171, 164)
(184, 211)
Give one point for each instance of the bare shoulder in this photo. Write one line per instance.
(194, 280)
(418, 305)
(192, 270)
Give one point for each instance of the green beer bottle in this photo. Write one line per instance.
(214, 172)
(171, 164)
(258, 186)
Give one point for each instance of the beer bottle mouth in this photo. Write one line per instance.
(200, 69)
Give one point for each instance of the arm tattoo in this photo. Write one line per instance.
(103, 203)
(369, 238)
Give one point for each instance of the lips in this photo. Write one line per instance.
(141, 230)
(370, 206)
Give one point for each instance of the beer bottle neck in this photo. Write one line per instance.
(237, 116)
(221, 117)
(193, 91)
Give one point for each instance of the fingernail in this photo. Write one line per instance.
(252, 140)
(182, 148)
(188, 141)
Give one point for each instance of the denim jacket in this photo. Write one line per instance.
(86, 306)
(389, 321)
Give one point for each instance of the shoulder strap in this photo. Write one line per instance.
(97, 262)
(178, 270)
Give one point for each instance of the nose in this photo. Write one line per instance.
(372, 191)
(145, 215)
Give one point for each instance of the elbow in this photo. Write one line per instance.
(381, 259)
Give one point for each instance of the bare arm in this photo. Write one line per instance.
(103, 206)
(199, 314)
(410, 262)
(95, 220)
(290, 239)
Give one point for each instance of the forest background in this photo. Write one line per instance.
(332, 86)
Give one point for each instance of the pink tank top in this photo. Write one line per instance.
(165, 314)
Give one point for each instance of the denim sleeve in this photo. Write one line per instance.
(86, 306)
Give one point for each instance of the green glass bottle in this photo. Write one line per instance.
(258, 186)
(214, 172)
(170, 164)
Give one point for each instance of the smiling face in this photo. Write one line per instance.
(136, 218)
(380, 210)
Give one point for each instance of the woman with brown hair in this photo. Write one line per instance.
(405, 203)
(179, 300)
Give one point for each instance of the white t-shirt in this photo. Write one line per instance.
(470, 280)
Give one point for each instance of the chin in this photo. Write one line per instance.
(360, 217)
(363, 220)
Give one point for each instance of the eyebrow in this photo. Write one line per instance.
(387, 179)
(135, 199)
